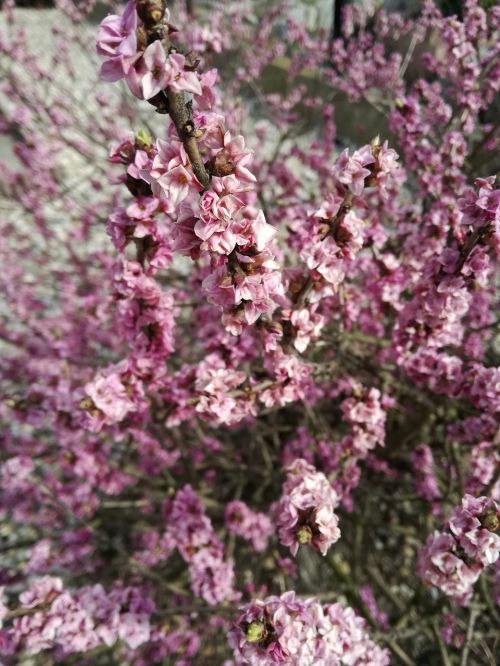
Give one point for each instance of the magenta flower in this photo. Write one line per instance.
(116, 34)
(352, 171)
(305, 512)
(155, 73)
(288, 630)
(454, 559)
(116, 41)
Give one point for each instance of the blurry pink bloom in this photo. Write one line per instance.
(305, 513)
(351, 171)
(116, 34)
(116, 41)
(249, 525)
(154, 70)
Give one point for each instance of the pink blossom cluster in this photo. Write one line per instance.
(112, 395)
(289, 630)
(305, 514)
(335, 234)
(146, 68)
(365, 411)
(221, 222)
(453, 560)
(484, 460)
(252, 526)
(188, 527)
(51, 617)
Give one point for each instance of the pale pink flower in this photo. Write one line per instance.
(308, 326)
(156, 73)
(249, 525)
(287, 630)
(116, 35)
(305, 513)
(352, 171)
(116, 41)
(454, 559)
(180, 80)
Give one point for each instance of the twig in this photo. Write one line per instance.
(409, 54)
(400, 653)
(468, 639)
(442, 647)
(182, 116)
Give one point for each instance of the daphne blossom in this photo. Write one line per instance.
(117, 41)
(453, 559)
(305, 512)
(296, 632)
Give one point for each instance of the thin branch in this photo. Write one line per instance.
(468, 639)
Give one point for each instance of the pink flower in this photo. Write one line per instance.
(218, 225)
(305, 513)
(170, 174)
(249, 525)
(351, 171)
(116, 41)
(453, 560)
(142, 208)
(155, 73)
(235, 148)
(41, 592)
(109, 394)
(308, 326)
(425, 474)
(287, 630)
(207, 81)
(180, 80)
(385, 168)
(116, 34)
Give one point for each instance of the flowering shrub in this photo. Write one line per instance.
(249, 375)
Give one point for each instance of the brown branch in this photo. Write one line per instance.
(175, 104)
(181, 113)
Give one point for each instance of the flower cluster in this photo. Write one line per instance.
(147, 69)
(305, 513)
(52, 617)
(288, 630)
(454, 559)
(249, 525)
(215, 217)
(190, 530)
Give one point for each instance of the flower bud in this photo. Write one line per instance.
(490, 521)
(143, 140)
(304, 535)
(150, 11)
(256, 632)
(86, 403)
